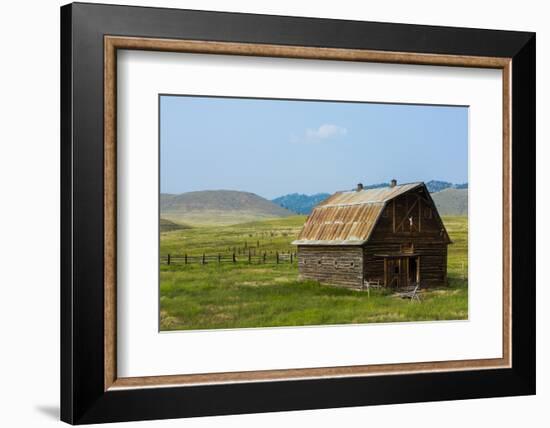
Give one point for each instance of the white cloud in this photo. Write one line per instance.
(324, 132)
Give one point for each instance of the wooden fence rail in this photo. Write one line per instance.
(250, 258)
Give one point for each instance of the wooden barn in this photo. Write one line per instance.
(392, 235)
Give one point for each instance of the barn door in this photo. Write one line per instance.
(400, 271)
(394, 272)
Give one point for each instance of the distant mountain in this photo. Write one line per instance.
(461, 186)
(218, 207)
(438, 186)
(451, 201)
(300, 203)
(432, 185)
(303, 204)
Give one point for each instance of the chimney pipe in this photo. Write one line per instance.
(359, 187)
(393, 182)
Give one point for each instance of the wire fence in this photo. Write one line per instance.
(250, 258)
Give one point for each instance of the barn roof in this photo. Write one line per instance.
(348, 218)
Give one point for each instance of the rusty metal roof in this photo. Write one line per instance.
(348, 218)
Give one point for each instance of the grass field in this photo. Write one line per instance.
(227, 295)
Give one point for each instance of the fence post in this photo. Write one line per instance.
(185, 258)
(203, 258)
(249, 258)
(277, 256)
(264, 257)
(291, 257)
(234, 258)
(219, 258)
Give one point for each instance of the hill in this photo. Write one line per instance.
(168, 226)
(221, 207)
(451, 201)
(300, 203)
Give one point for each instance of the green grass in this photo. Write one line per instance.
(213, 218)
(273, 235)
(213, 296)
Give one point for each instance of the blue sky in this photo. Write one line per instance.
(275, 147)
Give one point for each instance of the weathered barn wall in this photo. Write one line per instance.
(433, 261)
(374, 266)
(337, 265)
(394, 223)
(433, 264)
(394, 233)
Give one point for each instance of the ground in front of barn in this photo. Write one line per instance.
(246, 275)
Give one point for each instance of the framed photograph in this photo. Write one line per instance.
(266, 213)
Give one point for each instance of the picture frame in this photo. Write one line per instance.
(91, 391)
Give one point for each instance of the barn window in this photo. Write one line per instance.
(319, 261)
(407, 247)
(352, 264)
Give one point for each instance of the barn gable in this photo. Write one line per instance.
(351, 217)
